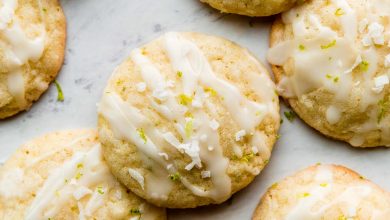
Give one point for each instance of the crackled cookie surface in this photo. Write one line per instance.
(253, 8)
(188, 120)
(63, 175)
(32, 44)
(332, 63)
(324, 192)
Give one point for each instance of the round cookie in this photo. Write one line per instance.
(62, 175)
(324, 192)
(331, 60)
(253, 8)
(188, 120)
(32, 47)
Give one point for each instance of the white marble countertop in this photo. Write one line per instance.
(101, 33)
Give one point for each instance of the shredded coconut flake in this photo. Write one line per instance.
(210, 148)
(380, 83)
(196, 103)
(192, 150)
(240, 134)
(141, 87)
(205, 174)
(165, 155)
(137, 176)
(375, 31)
(169, 166)
(214, 125)
(170, 84)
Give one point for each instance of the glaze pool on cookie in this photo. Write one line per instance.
(191, 122)
(332, 62)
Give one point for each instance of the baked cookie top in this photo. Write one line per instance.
(324, 192)
(253, 8)
(188, 120)
(32, 44)
(332, 63)
(62, 175)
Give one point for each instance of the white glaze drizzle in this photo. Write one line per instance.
(18, 48)
(82, 171)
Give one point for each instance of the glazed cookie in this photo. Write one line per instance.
(188, 120)
(253, 8)
(63, 175)
(32, 44)
(324, 192)
(331, 60)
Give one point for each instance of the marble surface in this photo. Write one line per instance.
(101, 33)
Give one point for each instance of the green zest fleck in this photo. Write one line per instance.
(304, 195)
(339, 12)
(142, 135)
(78, 175)
(336, 79)
(179, 74)
(44, 9)
(328, 76)
(211, 91)
(323, 184)
(278, 136)
(290, 115)
(184, 99)
(188, 127)
(60, 96)
(99, 189)
(80, 165)
(384, 107)
(342, 217)
(364, 66)
(301, 47)
(331, 44)
(174, 177)
(135, 212)
(247, 157)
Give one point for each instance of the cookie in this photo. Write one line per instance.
(32, 47)
(253, 8)
(331, 60)
(62, 175)
(324, 192)
(188, 120)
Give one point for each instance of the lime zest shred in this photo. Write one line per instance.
(174, 177)
(188, 127)
(323, 184)
(78, 175)
(301, 47)
(141, 134)
(211, 91)
(80, 166)
(384, 107)
(179, 74)
(339, 12)
(184, 99)
(336, 79)
(100, 190)
(364, 65)
(135, 212)
(304, 195)
(60, 96)
(331, 44)
(342, 217)
(247, 157)
(290, 115)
